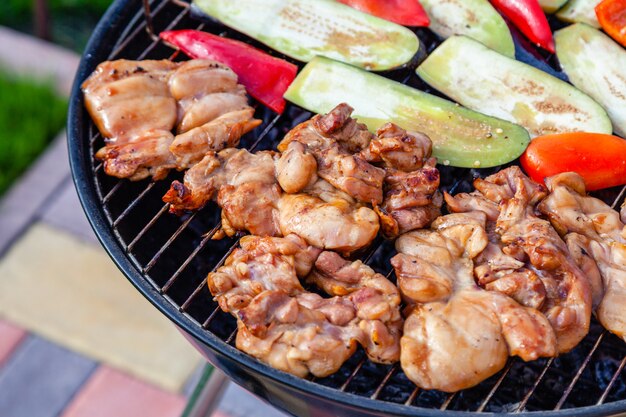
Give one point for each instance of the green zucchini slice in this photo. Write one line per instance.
(461, 137)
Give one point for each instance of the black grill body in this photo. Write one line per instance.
(167, 259)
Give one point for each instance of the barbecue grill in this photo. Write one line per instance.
(167, 258)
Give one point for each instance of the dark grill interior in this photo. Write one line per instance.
(175, 254)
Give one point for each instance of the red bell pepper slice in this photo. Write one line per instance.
(612, 17)
(402, 12)
(529, 18)
(600, 159)
(265, 77)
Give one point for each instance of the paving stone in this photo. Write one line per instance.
(55, 285)
(65, 212)
(112, 393)
(10, 337)
(26, 54)
(40, 379)
(24, 200)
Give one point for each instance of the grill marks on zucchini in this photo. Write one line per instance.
(488, 82)
(303, 29)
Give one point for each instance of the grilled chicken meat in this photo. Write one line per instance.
(301, 332)
(411, 196)
(137, 104)
(245, 187)
(243, 184)
(327, 218)
(334, 140)
(457, 334)
(526, 259)
(596, 237)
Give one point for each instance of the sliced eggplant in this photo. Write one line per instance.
(485, 81)
(303, 29)
(551, 6)
(474, 18)
(461, 137)
(580, 11)
(597, 65)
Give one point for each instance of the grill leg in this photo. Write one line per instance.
(207, 394)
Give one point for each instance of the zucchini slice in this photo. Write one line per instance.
(461, 137)
(474, 18)
(485, 81)
(303, 29)
(597, 65)
(551, 6)
(580, 11)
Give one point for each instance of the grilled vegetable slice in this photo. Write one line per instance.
(528, 17)
(474, 18)
(611, 15)
(303, 29)
(580, 11)
(265, 77)
(596, 65)
(485, 81)
(402, 12)
(599, 159)
(460, 136)
(551, 6)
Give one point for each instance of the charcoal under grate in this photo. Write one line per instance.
(169, 257)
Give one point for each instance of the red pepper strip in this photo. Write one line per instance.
(265, 77)
(612, 17)
(402, 12)
(600, 159)
(529, 18)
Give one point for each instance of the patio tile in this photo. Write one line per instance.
(112, 393)
(65, 212)
(56, 285)
(24, 200)
(237, 402)
(40, 379)
(10, 337)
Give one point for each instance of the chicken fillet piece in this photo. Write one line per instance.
(596, 236)
(458, 334)
(136, 104)
(526, 259)
(298, 331)
(334, 140)
(411, 197)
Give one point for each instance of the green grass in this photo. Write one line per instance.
(31, 114)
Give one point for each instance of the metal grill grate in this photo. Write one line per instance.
(175, 254)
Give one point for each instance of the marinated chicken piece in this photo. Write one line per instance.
(289, 336)
(223, 132)
(130, 99)
(396, 148)
(245, 187)
(457, 334)
(327, 219)
(149, 156)
(136, 104)
(411, 196)
(333, 139)
(260, 264)
(595, 234)
(376, 301)
(204, 91)
(296, 169)
(545, 277)
(243, 184)
(301, 332)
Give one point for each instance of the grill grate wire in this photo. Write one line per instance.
(126, 206)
